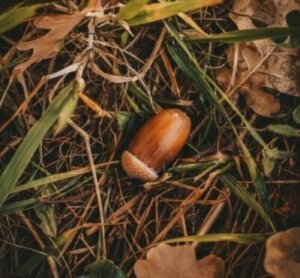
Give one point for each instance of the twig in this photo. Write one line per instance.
(86, 139)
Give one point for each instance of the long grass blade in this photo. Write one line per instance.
(189, 65)
(249, 35)
(36, 184)
(237, 238)
(11, 207)
(33, 139)
(160, 11)
(285, 130)
(131, 9)
(148, 103)
(237, 189)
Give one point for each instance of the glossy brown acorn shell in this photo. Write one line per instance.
(161, 138)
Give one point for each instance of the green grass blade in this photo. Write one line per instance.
(160, 11)
(191, 71)
(204, 87)
(14, 62)
(33, 139)
(250, 35)
(15, 16)
(144, 98)
(35, 184)
(199, 166)
(210, 83)
(12, 207)
(285, 130)
(19, 205)
(237, 238)
(237, 189)
(131, 9)
(189, 65)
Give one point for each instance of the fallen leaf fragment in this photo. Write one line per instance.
(165, 261)
(47, 46)
(282, 257)
(259, 64)
(271, 12)
(279, 69)
(261, 102)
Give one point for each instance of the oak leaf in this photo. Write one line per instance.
(282, 257)
(48, 45)
(165, 261)
(278, 65)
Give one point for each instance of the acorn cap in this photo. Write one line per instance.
(156, 144)
(135, 168)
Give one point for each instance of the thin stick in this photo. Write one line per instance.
(11, 79)
(214, 211)
(86, 138)
(94, 106)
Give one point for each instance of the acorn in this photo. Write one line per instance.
(156, 144)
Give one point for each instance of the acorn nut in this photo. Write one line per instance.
(156, 144)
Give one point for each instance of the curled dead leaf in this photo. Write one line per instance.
(164, 261)
(282, 257)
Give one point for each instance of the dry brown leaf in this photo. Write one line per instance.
(48, 45)
(260, 102)
(165, 261)
(277, 71)
(282, 259)
(271, 12)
